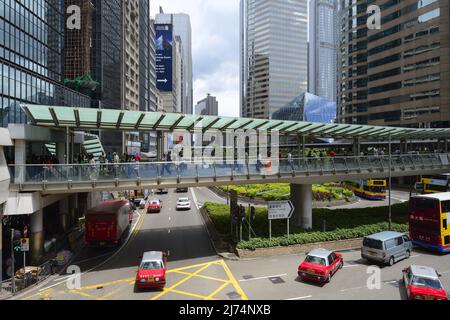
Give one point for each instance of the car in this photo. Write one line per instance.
(137, 201)
(422, 283)
(162, 191)
(142, 204)
(386, 247)
(152, 270)
(182, 190)
(154, 206)
(320, 265)
(183, 204)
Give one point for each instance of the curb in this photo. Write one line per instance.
(214, 237)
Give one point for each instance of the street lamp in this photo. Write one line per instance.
(390, 182)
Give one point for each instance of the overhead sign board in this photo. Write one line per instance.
(279, 210)
(164, 57)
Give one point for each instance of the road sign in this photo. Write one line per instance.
(25, 244)
(279, 210)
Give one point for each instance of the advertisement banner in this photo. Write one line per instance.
(164, 57)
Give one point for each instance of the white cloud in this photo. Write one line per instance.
(215, 46)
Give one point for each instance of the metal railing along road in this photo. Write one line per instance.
(160, 172)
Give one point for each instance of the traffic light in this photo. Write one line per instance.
(252, 214)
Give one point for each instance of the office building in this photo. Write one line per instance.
(397, 75)
(78, 42)
(207, 107)
(181, 24)
(32, 58)
(323, 17)
(274, 55)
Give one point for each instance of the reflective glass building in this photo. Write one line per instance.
(32, 58)
(274, 54)
(308, 107)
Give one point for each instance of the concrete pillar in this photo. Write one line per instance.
(37, 236)
(64, 213)
(301, 197)
(356, 147)
(61, 152)
(20, 155)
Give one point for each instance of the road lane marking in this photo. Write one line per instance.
(349, 289)
(179, 283)
(263, 278)
(168, 231)
(233, 281)
(212, 295)
(299, 298)
(351, 265)
(201, 276)
(194, 197)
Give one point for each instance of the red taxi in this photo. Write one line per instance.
(154, 206)
(320, 265)
(152, 270)
(422, 283)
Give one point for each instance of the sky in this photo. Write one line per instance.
(215, 48)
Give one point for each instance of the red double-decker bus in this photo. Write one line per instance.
(429, 221)
(108, 223)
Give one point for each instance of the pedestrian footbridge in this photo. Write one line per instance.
(74, 178)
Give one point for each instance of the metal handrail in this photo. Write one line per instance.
(78, 173)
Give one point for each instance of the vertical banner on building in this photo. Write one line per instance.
(164, 57)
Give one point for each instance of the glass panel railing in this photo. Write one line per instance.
(225, 169)
(364, 163)
(167, 171)
(187, 170)
(340, 165)
(286, 167)
(150, 171)
(353, 164)
(206, 170)
(300, 165)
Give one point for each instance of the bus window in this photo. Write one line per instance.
(445, 206)
(445, 224)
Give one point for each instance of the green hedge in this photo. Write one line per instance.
(314, 237)
(340, 224)
(281, 191)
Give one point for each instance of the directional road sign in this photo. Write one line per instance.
(280, 210)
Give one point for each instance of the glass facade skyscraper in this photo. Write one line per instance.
(274, 49)
(323, 15)
(32, 58)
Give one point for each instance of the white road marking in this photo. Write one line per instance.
(169, 231)
(415, 256)
(299, 298)
(170, 218)
(262, 278)
(349, 289)
(194, 197)
(351, 265)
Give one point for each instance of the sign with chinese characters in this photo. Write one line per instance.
(279, 210)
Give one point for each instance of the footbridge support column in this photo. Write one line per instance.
(301, 198)
(37, 235)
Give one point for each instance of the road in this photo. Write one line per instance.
(276, 278)
(205, 195)
(195, 271)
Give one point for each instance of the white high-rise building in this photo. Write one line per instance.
(182, 28)
(323, 15)
(274, 54)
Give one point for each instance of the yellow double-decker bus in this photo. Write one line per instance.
(436, 183)
(369, 189)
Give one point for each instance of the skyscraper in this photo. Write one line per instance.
(398, 75)
(207, 107)
(323, 15)
(182, 28)
(32, 58)
(274, 55)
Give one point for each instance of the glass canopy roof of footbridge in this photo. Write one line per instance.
(106, 119)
